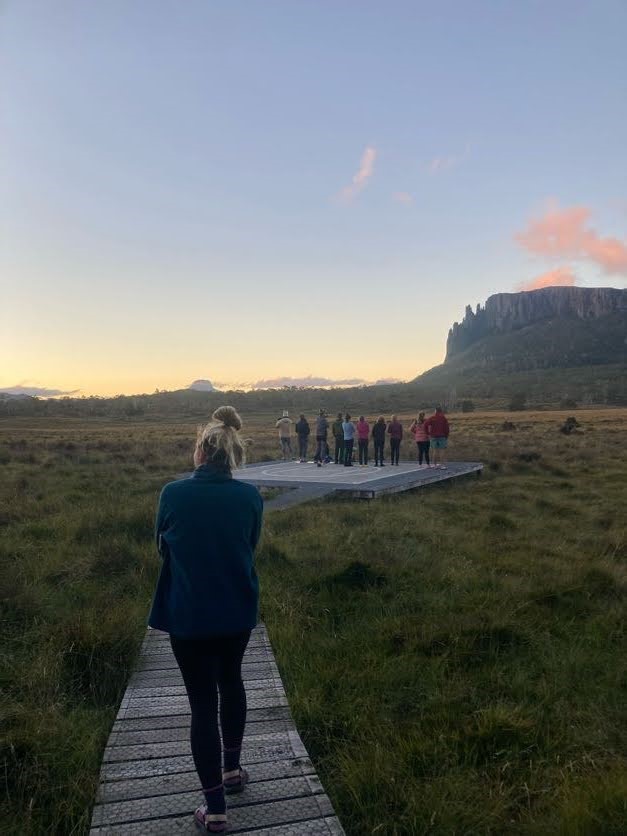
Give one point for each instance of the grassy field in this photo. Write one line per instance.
(454, 658)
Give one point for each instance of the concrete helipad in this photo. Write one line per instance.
(368, 482)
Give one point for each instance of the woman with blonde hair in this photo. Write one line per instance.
(207, 600)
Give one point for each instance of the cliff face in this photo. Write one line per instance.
(507, 312)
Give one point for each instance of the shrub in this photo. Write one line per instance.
(357, 575)
(569, 425)
(518, 402)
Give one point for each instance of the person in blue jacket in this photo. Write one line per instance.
(349, 430)
(207, 598)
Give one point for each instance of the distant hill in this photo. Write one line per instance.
(202, 386)
(570, 340)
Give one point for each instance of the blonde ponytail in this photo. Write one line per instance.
(220, 440)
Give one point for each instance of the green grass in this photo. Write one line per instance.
(454, 658)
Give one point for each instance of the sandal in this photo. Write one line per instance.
(211, 822)
(235, 781)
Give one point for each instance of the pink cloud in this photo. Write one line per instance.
(560, 277)
(565, 233)
(360, 179)
(403, 197)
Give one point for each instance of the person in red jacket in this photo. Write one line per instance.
(438, 429)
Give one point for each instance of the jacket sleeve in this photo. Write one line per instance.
(161, 525)
(446, 427)
(256, 532)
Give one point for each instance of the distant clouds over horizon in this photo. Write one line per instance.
(37, 391)
(311, 381)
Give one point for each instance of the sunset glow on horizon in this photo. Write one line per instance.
(255, 193)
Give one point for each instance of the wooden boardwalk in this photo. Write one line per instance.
(148, 783)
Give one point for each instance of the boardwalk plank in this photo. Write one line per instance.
(141, 751)
(115, 770)
(181, 732)
(294, 811)
(180, 803)
(188, 781)
(259, 715)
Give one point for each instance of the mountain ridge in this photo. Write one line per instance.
(505, 313)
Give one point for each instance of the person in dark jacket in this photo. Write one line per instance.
(378, 437)
(302, 431)
(363, 431)
(395, 431)
(337, 429)
(207, 599)
(322, 426)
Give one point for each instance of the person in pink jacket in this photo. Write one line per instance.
(363, 430)
(421, 437)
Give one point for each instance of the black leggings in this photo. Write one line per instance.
(206, 663)
(395, 447)
(423, 451)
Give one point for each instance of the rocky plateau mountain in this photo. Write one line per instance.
(581, 308)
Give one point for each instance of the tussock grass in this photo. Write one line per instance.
(454, 658)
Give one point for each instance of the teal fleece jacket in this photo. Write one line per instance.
(207, 528)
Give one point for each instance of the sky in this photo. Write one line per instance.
(269, 191)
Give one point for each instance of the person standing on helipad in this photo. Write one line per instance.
(438, 428)
(378, 436)
(302, 431)
(363, 431)
(322, 426)
(421, 437)
(349, 440)
(284, 426)
(338, 435)
(395, 431)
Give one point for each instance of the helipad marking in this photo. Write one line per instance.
(328, 473)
